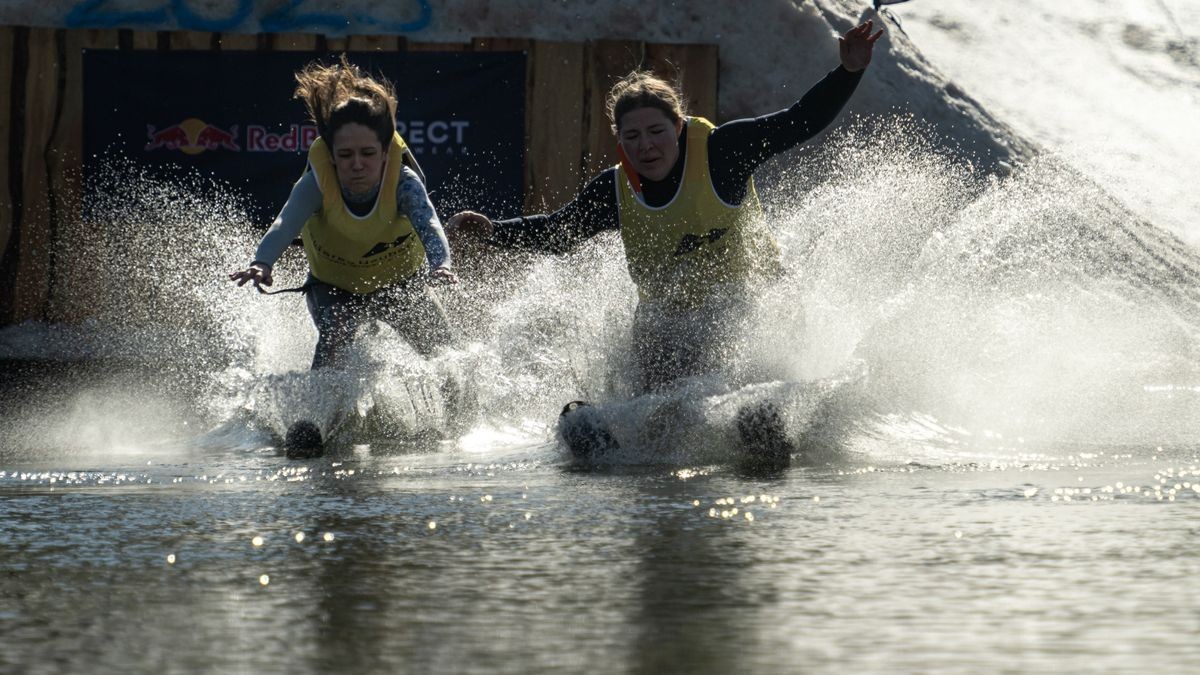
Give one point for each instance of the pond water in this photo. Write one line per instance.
(516, 561)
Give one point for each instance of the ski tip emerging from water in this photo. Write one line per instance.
(303, 441)
(583, 432)
(763, 445)
(764, 438)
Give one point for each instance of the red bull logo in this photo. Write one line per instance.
(297, 138)
(193, 137)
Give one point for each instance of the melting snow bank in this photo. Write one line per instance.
(771, 52)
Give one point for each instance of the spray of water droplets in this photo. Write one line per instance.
(1029, 305)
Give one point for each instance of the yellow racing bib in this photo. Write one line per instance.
(680, 253)
(360, 254)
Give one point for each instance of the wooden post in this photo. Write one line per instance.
(237, 42)
(190, 39)
(372, 43)
(6, 73)
(555, 126)
(694, 68)
(143, 39)
(294, 42)
(336, 45)
(77, 245)
(438, 47)
(41, 107)
(501, 45)
(606, 61)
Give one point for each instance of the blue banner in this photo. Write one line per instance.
(231, 115)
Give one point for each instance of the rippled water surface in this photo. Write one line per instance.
(515, 561)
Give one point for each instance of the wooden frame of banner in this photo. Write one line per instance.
(48, 258)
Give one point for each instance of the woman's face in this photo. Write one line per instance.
(650, 140)
(359, 158)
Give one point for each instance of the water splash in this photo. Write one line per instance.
(1030, 305)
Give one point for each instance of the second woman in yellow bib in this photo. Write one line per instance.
(684, 202)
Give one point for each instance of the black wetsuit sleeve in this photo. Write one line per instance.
(737, 148)
(593, 211)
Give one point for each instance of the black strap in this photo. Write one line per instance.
(298, 289)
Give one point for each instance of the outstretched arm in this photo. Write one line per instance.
(413, 201)
(737, 148)
(304, 201)
(592, 212)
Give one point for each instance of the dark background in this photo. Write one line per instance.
(127, 91)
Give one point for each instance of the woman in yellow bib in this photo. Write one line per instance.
(683, 200)
(372, 238)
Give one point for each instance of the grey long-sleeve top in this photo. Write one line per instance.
(411, 200)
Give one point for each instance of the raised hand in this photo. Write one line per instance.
(442, 275)
(259, 273)
(855, 46)
(468, 225)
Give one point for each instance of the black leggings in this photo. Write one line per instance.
(409, 306)
(672, 343)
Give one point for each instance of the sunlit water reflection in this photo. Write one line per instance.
(520, 563)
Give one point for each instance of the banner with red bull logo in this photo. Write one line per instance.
(231, 115)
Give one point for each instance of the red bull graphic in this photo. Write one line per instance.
(192, 136)
(231, 116)
(298, 138)
(212, 137)
(171, 138)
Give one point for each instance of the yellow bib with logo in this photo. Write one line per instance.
(680, 253)
(364, 254)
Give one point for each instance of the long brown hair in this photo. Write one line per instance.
(340, 93)
(643, 89)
